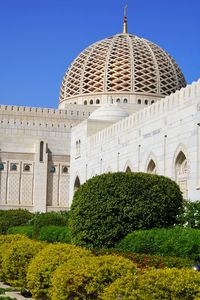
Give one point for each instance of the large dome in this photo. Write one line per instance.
(122, 64)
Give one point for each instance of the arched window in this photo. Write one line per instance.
(1, 166)
(139, 101)
(13, 167)
(151, 169)
(85, 102)
(181, 165)
(125, 100)
(97, 101)
(78, 147)
(52, 169)
(118, 100)
(152, 102)
(76, 184)
(146, 102)
(128, 170)
(91, 101)
(181, 170)
(26, 168)
(41, 151)
(65, 169)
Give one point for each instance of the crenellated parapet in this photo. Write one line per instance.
(186, 96)
(42, 118)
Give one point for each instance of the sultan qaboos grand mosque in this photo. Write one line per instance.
(124, 106)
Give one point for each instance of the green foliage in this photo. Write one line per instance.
(109, 206)
(190, 217)
(182, 284)
(16, 258)
(50, 218)
(86, 279)
(54, 234)
(5, 241)
(26, 230)
(145, 261)
(180, 242)
(13, 217)
(43, 265)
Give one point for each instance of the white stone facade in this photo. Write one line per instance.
(35, 156)
(117, 112)
(163, 138)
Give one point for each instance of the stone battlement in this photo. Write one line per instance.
(163, 107)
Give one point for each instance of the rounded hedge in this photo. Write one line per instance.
(160, 284)
(86, 279)
(5, 241)
(109, 206)
(43, 265)
(16, 259)
(177, 242)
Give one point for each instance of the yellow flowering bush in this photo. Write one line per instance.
(16, 258)
(46, 262)
(86, 279)
(162, 284)
(5, 241)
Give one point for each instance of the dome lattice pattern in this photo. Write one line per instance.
(122, 63)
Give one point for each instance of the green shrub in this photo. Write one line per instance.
(86, 279)
(5, 241)
(13, 217)
(145, 261)
(109, 206)
(180, 242)
(16, 258)
(54, 234)
(45, 263)
(182, 284)
(190, 217)
(26, 230)
(50, 218)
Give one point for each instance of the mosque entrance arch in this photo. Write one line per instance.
(76, 184)
(181, 172)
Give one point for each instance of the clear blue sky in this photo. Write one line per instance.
(40, 38)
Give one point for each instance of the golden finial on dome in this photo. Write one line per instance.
(125, 20)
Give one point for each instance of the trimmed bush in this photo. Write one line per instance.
(43, 265)
(54, 234)
(179, 242)
(86, 279)
(26, 230)
(109, 206)
(13, 217)
(50, 218)
(16, 258)
(164, 284)
(5, 241)
(190, 218)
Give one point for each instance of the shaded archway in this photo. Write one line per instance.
(76, 184)
(181, 172)
(151, 168)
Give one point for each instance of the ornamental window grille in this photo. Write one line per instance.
(27, 168)
(52, 169)
(13, 167)
(65, 169)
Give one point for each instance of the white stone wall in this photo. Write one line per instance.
(158, 132)
(22, 129)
